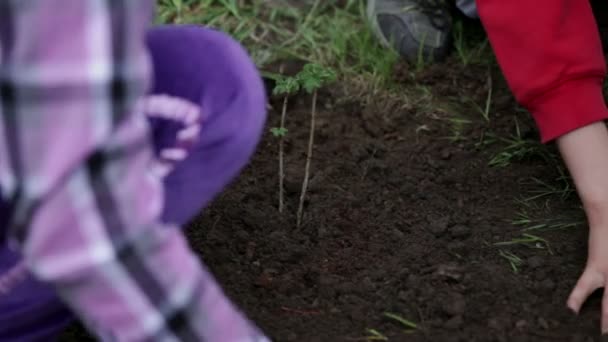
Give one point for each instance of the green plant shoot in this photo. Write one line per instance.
(278, 131)
(286, 86)
(313, 76)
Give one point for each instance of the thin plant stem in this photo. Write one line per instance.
(281, 158)
(313, 114)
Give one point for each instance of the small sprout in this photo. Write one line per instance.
(278, 131)
(406, 323)
(286, 85)
(314, 76)
(375, 335)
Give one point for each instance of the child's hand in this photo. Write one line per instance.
(585, 152)
(595, 275)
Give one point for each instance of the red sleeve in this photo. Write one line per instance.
(551, 55)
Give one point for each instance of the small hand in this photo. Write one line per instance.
(595, 275)
(585, 152)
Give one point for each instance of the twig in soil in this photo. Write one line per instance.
(285, 86)
(422, 321)
(518, 147)
(308, 159)
(366, 166)
(281, 153)
(485, 111)
(312, 78)
(217, 220)
(301, 312)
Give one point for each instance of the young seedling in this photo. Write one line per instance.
(407, 324)
(375, 335)
(312, 78)
(285, 86)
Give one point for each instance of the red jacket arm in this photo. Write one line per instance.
(551, 55)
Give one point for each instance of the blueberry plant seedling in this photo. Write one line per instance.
(312, 77)
(285, 86)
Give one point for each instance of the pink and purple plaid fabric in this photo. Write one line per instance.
(75, 166)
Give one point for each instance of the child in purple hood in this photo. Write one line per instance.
(98, 169)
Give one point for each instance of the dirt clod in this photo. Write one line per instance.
(454, 304)
(454, 323)
(460, 232)
(438, 224)
(536, 261)
(521, 324)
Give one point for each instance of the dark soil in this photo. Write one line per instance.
(398, 219)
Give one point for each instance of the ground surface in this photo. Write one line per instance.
(398, 220)
(418, 206)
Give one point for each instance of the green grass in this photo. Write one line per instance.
(375, 335)
(329, 32)
(323, 33)
(537, 214)
(514, 261)
(528, 240)
(485, 111)
(471, 46)
(530, 224)
(516, 148)
(405, 324)
(535, 207)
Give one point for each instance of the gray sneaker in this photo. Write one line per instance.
(413, 28)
